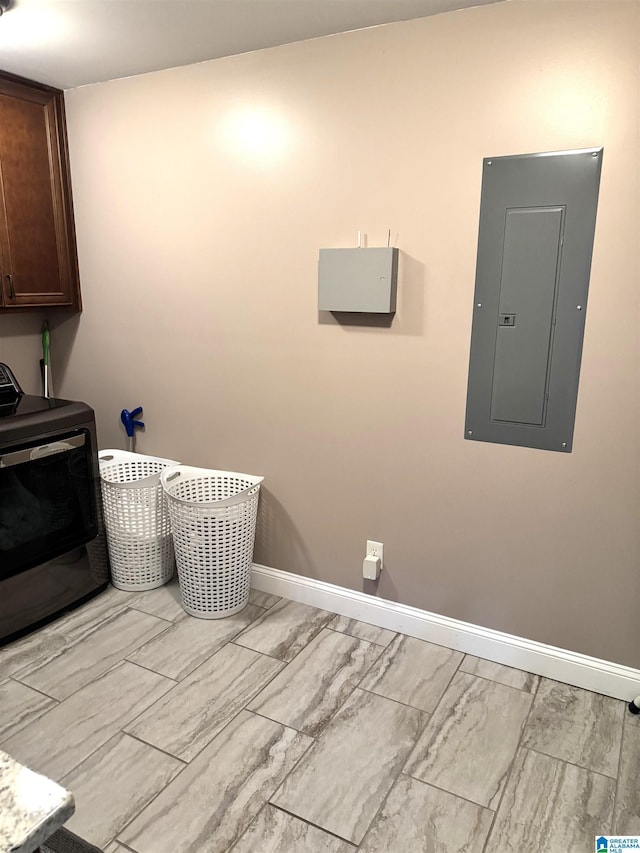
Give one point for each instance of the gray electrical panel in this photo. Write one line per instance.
(537, 221)
(362, 280)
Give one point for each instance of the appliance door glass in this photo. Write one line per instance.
(47, 500)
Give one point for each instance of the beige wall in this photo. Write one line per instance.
(202, 196)
(21, 348)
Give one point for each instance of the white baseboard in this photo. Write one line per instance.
(611, 679)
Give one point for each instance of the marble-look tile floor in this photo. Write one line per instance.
(288, 729)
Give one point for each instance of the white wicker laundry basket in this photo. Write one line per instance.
(213, 520)
(136, 519)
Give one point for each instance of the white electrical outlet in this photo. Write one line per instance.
(375, 549)
(374, 560)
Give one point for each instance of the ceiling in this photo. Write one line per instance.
(68, 43)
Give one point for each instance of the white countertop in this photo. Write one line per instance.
(32, 807)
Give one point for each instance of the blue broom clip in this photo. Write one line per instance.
(129, 420)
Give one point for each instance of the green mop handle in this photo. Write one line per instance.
(45, 344)
(45, 356)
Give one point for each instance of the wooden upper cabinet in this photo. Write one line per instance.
(38, 260)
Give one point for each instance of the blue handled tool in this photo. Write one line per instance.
(131, 424)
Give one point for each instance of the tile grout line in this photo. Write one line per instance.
(314, 740)
(617, 788)
(155, 797)
(510, 770)
(432, 714)
(112, 667)
(226, 725)
(243, 708)
(185, 763)
(164, 618)
(34, 665)
(266, 654)
(397, 701)
(262, 688)
(118, 731)
(55, 698)
(33, 719)
(182, 681)
(286, 776)
(339, 707)
(495, 681)
(309, 823)
(401, 770)
(450, 793)
(116, 734)
(311, 638)
(176, 681)
(289, 726)
(121, 733)
(202, 662)
(539, 751)
(154, 615)
(357, 639)
(428, 714)
(152, 746)
(99, 674)
(279, 598)
(35, 689)
(286, 725)
(249, 825)
(57, 628)
(386, 797)
(362, 639)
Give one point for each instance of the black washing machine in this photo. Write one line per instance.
(52, 546)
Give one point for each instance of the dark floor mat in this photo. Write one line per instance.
(64, 841)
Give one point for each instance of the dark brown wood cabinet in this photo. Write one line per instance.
(38, 260)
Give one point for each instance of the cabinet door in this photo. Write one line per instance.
(37, 242)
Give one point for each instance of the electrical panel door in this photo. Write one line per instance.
(537, 221)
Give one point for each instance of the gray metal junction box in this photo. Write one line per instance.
(358, 280)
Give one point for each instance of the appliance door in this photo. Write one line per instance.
(32, 598)
(47, 500)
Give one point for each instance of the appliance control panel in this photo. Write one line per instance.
(10, 391)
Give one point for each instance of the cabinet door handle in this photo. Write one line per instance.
(12, 291)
